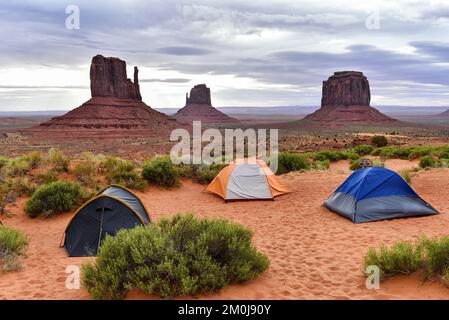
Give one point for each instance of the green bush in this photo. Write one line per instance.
(443, 163)
(58, 160)
(428, 162)
(392, 152)
(161, 171)
(181, 256)
(430, 256)
(350, 155)
(401, 258)
(321, 165)
(3, 162)
(13, 246)
(17, 167)
(442, 152)
(22, 186)
(4, 191)
(205, 174)
(34, 159)
(436, 259)
(86, 170)
(45, 177)
(330, 155)
(54, 198)
(288, 162)
(355, 165)
(363, 149)
(379, 141)
(122, 172)
(418, 152)
(377, 163)
(200, 173)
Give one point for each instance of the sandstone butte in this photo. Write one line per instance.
(199, 107)
(116, 104)
(346, 100)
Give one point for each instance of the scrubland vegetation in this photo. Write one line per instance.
(180, 256)
(13, 246)
(31, 173)
(430, 257)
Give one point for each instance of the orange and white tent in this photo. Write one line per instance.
(247, 179)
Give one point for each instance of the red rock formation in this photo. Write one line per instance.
(116, 103)
(108, 79)
(346, 88)
(346, 99)
(112, 113)
(199, 107)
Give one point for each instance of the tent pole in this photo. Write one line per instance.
(101, 230)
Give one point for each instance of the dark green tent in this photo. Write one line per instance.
(112, 209)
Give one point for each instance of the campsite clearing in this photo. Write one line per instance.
(314, 253)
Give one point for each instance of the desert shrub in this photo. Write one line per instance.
(436, 255)
(401, 258)
(13, 246)
(17, 167)
(430, 256)
(86, 169)
(288, 162)
(4, 190)
(45, 177)
(186, 170)
(363, 149)
(34, 159)
(3, 162)
(418, 152)
(379, 141)
(321, 165)
(205, 174)
(54, 198)
(443, 163)
(355, 165)
(406, 175)
(21, 186)
(349, 155)
(442, 152)
(428, 162)
(392, 152)
(329, 155)
(161, 171)
(377, 163)
(122, 172)
(200, 173)
(58, 160)
(176, 257)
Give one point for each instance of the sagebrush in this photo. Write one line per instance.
(13, 246)
(181, 256)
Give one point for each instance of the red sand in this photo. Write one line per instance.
(314, 253)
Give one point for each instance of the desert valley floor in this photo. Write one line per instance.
(314, 253)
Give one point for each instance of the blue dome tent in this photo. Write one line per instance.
(377, 193)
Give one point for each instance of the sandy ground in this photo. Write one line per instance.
(314, 253)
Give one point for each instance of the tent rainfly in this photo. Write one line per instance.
(376, 193)
(247, 179)
(112, 209)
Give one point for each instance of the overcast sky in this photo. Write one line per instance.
(251, 53)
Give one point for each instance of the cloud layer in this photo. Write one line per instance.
(256, 53)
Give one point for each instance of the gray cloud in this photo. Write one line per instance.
(170, 80)
(20, 87)
(288, 47)
(183, 51)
